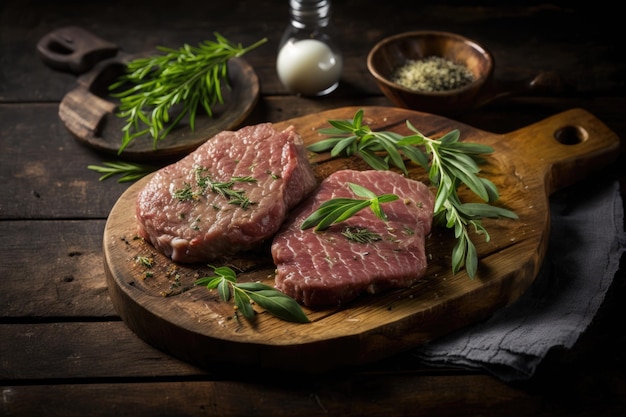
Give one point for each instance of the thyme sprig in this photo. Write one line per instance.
(340, 209)
(191, 76)
(449, 163)
(129, 171)
(223, 188)
(360, 235)
(246, 293)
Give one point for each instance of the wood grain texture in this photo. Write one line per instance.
(124, 373)
(232, 398)
(189, 322)
(63, 350)
(44, 169)
(59, 274)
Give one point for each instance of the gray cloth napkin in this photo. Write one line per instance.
(586, 243)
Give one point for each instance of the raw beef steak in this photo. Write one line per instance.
(231, 193)
(326, 268)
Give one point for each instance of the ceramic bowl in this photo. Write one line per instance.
(392, 52)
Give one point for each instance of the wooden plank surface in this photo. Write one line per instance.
(63, 349)
(125, 371)
(58, 274)
(518, 48)
(311, 398)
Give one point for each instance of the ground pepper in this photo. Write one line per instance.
(433, 73)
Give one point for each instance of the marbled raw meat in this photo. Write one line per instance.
(190, 224)
(324, 268)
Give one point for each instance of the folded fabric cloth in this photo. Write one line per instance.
(587, 240)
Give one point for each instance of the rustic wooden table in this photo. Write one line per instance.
(63, 348)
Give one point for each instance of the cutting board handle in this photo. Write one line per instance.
(568, 147)
(74, 49)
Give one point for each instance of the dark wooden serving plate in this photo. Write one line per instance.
(88, 110)
(166, 310)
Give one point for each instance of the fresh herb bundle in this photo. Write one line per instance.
(191, 76)
(244, 293)
(449, 163)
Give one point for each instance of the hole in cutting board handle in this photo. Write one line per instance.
(571, 135)
(59, 48)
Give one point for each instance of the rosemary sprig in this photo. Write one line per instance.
(449, 164)
(129, 171)
(191, 76)
(337, 210)
(245, 293)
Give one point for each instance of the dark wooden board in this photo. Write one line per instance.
(91, 117)
(191, 323)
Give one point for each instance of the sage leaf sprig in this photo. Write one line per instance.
(448, 162)
(454, 163)
(128, 171)
(379, 149)
(244, 293)
(340, 209)
(190, 76)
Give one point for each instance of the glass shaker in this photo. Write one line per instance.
(309, 63)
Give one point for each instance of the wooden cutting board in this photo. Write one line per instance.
(161, 305)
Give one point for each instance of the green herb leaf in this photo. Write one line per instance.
(242, 302)
(279, 304)
(340, 209)
(223, 289)
(128, 171)
(481, 210)
(361, 191)
(192, 77)
(210, 282)
(273, 301)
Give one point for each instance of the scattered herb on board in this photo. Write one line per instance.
(191, 76)
(432, 73)
(129, 171)
(246, 293)
(449, 163)
(337, 210)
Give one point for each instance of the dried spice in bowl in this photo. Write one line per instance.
(433, 73)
